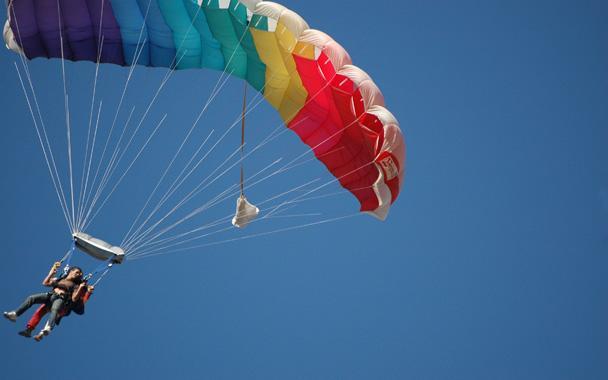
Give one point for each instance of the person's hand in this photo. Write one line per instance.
(81, 287)
(55, 267)
(90, 289)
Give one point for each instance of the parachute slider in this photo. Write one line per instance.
(98, 248)
(245, 212)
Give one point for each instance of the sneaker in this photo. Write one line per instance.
(46, 330)
(10, 315)
(39, 336)
(27, 333)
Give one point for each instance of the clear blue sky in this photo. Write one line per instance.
(492, 264)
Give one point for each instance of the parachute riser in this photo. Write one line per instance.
(67, 258)
(103, 269)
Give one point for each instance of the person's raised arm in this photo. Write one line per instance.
(88, 293)
(48, 280)
(79, 292)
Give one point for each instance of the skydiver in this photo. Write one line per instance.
(65, 289)
(77, 308)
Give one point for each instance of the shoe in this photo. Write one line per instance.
(10, 315)
(39, 336)
(27, 333)
(46, 330)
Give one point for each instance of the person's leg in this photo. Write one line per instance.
(57, 304)
(32, 300)
(62, 313)
(34, 320)
(37, 316)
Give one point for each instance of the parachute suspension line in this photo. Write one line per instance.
(187, 217)
(227, 217)
(56, 181)
(243, 135)
(210, 204)
(172, 189)
(213, 94)
(222, 220)
(116, 159)
(329, 195)
(173, 65)
(290, 165)
(251, 236)
(143, 235)
(203, 185)
(159, 183)
(317, 188)
(280, 230)
(113, 162)
(157, 186)
(160, 123)
(138, 51)
(217, 221)
(110, 166)
(291, 216)
(269, 138)
(154, 242)
(84, 184)
(127, 239)
(67, 117)
(89, 205)
(276, 209)
(194, 192)
(53, 172)
(88, 169)
(216, 201)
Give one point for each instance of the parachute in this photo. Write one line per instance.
(333, 106)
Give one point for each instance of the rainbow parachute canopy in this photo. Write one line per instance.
(334, 107)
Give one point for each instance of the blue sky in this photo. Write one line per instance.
(492, 263)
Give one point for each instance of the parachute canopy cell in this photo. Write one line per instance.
(333, 106)
(98, 248)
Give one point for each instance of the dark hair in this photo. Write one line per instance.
(74, 268)
(64, 275)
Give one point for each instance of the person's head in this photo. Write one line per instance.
(74, 274)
